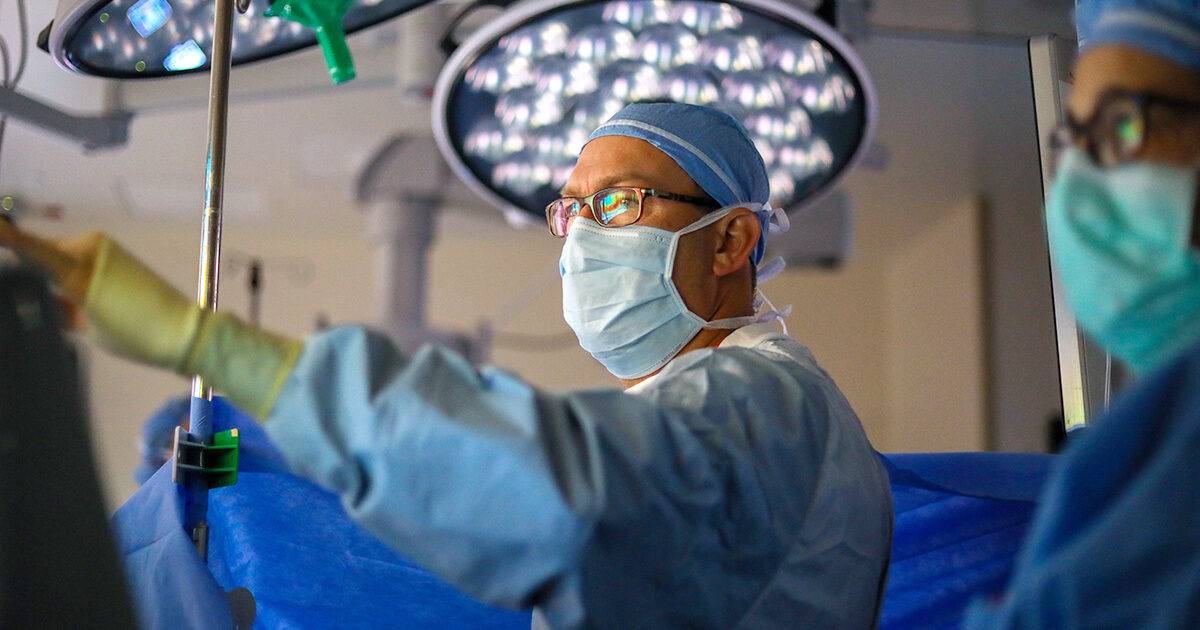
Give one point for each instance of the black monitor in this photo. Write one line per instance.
(58, 565)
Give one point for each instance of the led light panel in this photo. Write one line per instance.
(516, 102)
(134, 39)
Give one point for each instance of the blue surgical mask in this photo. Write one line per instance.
(1119, 238)
(619, 299)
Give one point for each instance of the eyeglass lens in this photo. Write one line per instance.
(611, 207)
(616, 206)
(1114, 134)
(1118, 132)
(559, 213)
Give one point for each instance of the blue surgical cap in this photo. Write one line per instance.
(712, 147)
(1168, 28)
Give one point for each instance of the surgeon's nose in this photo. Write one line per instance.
(584, 211)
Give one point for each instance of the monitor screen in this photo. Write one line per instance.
(58, 562)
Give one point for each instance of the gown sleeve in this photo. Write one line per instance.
(502, 489)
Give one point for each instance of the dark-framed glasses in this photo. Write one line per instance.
(1119, 126)
(612, 207)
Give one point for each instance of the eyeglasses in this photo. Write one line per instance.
(1117, 130)
(612, 207)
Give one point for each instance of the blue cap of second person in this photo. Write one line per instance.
(1168, 28)
(712, 147)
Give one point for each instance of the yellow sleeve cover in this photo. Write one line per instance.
(137, 314)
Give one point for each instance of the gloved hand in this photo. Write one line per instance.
(68, 262)
(135, 313)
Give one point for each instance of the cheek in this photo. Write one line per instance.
(1174, 145)
(691, 253)
(693, 271)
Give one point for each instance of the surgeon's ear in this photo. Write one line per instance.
(739, 235)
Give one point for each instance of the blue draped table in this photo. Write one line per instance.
(960, 519)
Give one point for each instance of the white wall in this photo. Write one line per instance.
(936, 377)
(957, 118)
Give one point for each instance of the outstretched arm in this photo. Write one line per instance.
(134, 313)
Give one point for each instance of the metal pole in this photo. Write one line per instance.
(255, 285)
(210, 253)
(403, 229)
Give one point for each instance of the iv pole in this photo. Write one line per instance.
(325, 17)
(200, 424)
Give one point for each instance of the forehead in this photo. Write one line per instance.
(625, 161)
(1106, 67)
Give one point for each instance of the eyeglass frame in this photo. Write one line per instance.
(642, 193)
(1072, 130)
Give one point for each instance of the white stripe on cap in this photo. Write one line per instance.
(733, 189)
(1135, 18)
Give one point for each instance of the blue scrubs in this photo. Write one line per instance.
(735, 489)
(1115, 543)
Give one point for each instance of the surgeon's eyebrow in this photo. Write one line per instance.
(610, 181)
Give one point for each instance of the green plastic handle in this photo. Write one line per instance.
(337, 53)
(324, 17)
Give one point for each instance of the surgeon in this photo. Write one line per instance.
(1116, 541)
(1122, 208)
(729, 486)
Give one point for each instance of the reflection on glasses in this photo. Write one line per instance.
(1117, 130)
(611, 207)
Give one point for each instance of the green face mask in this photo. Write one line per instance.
(1119, 237)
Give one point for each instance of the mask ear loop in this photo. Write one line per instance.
(777, 223)
(770, 269)
(763, 272)
(776, 313)
(777, 220)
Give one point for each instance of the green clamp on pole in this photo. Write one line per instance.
(218, 462)
(324, 17)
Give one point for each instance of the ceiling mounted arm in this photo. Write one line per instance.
(93, 132)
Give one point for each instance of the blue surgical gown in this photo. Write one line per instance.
(735, 489)
(1115, 543)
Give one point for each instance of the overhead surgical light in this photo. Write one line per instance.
(136, 39)
(516, 101)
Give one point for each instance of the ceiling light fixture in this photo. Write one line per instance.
(516, 101)
(139, 39)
